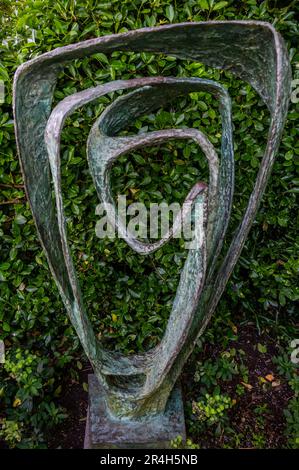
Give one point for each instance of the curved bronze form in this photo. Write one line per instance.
(139, 386)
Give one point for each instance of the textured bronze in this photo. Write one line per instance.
(137, 388)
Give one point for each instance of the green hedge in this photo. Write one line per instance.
(129, 296)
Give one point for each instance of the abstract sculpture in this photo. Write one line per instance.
(134, 400)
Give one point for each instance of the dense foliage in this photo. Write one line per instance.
(129, 296)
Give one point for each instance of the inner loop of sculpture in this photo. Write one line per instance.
(104, 148)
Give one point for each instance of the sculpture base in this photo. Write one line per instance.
(103, 432)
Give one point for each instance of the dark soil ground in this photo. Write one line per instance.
(245, 429)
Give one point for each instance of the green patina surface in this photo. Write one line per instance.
(138, 387)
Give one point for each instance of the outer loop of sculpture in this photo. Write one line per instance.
(127, 391)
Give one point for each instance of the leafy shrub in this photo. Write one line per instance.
(212, 409)
(292, 417)
(32, 382)
(10, 432)
(211, 371)
(132, 316)
(179, 444)
(222, 368)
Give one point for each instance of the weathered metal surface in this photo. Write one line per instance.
(138, 387)
(103, 431)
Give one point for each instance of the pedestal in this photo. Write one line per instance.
(103, 432)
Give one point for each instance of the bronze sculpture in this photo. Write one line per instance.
(139, 392)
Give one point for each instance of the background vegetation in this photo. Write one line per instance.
(129, 296)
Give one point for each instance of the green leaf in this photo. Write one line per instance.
(101, 57)
(4, 74)
(6, 326)
(170, 12)
(219, 5)
(204, 4)
(58, 391)
(4, 266)
(20, 219)
(262, 348)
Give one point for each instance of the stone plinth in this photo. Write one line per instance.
(103, 432)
